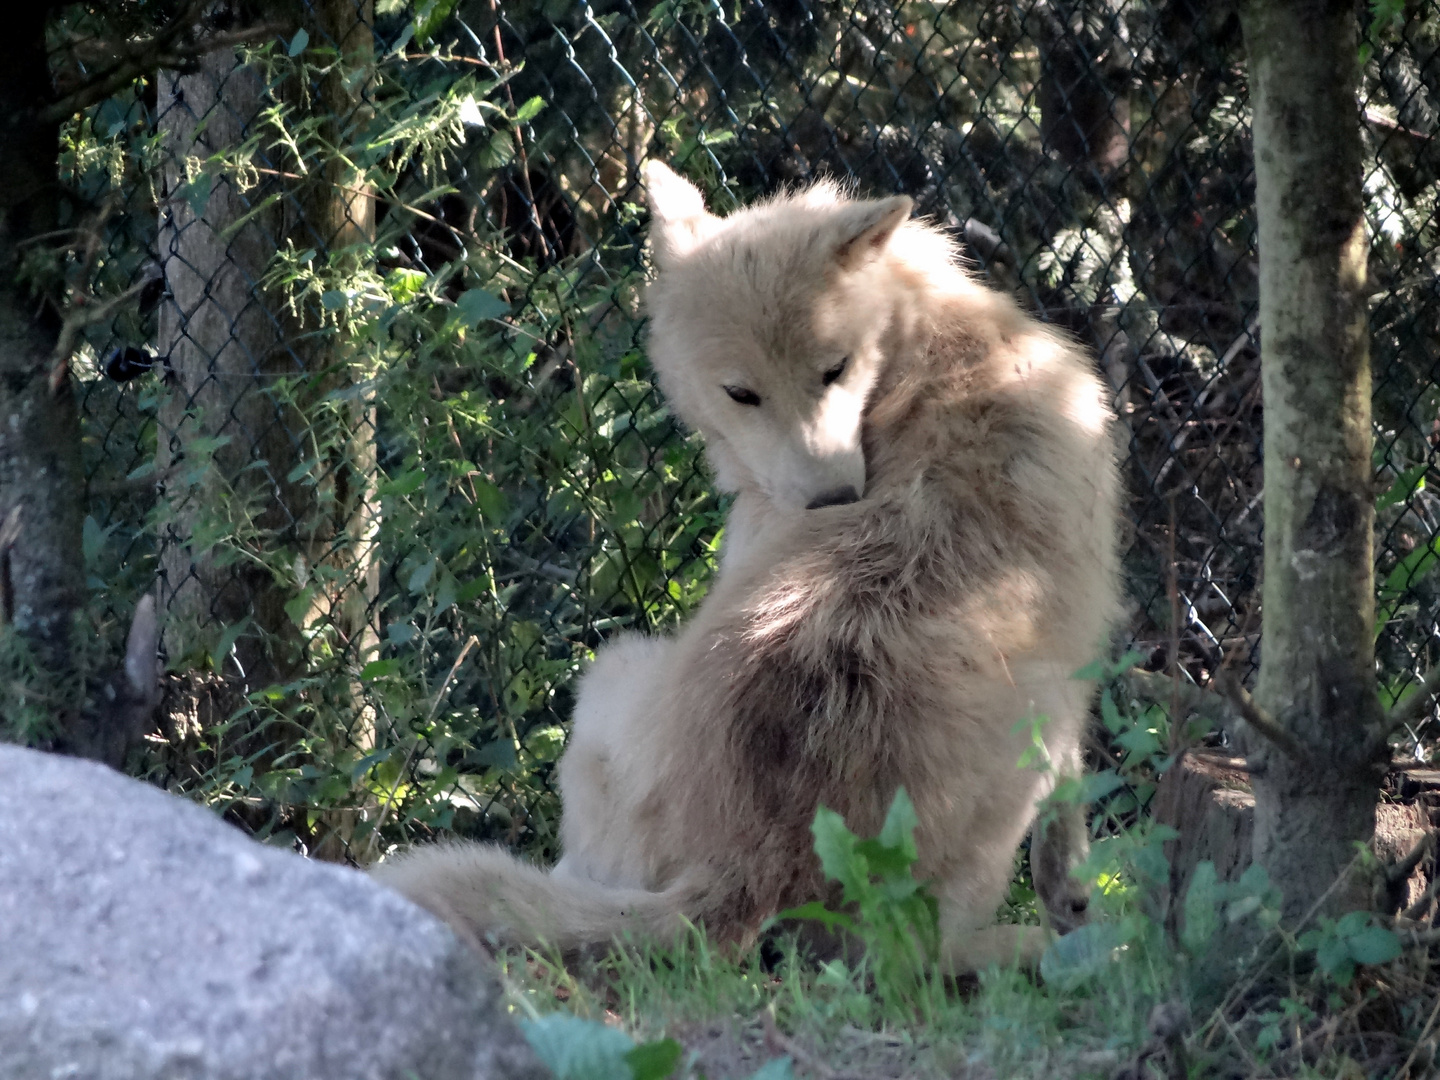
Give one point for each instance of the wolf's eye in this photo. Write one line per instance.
(741, 396)
(835, 372)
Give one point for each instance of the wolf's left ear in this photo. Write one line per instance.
(678, 218)
(866, 227)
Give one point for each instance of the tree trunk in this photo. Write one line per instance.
(41, 481)
(1317, 662)
(251, 372)
(291, 496)
(227, 353)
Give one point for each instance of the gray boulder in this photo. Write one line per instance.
(141, 937)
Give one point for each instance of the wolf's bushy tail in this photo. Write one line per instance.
(486, 893)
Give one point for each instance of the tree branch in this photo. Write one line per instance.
(1232, 702)
(1401, 869)
(151, 55)
(1261, 721)
(1419, 907)
(76, 319)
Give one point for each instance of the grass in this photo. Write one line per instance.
(1132, 996)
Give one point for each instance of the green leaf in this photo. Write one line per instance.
(378, 669)
(1408, 572)
(431, 17)
(404, 484)
(499, 754)
(815, 911)
(298, 606)
(1406, 484)
(898, 832)
(1081, 955)
(1140, 741)
(494, 508)
(404, 284)
(529, 110)
(1110, 713)
(1095, 786)
(420, 576)
(228, 637)
(445, 593)
(654, 1060)
(576, 1049)
(835, 844)
(406, 36)
(1374, 945)
(298, 43)
(476, 305)
(92, 540)
(1332, 953)
(196, 193)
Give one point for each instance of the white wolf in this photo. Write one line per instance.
(921, 552)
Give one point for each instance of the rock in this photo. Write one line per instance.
(141, 937)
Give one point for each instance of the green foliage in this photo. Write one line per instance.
(1385, 16)
(1409, 572)
(1354, 938)
(527, 491)
(894, 916)
(1211, 905)
(578, 1049)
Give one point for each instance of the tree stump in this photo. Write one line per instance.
(1206, 797)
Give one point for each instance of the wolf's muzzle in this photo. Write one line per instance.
(837, 497)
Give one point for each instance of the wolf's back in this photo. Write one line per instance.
(485, 890)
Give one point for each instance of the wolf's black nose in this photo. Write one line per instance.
(838, 497)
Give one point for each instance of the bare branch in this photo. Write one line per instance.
(1420, 906)
(76, 319)
(153, 54)
(1233, 702)
(1401, 869)
(1418, 939)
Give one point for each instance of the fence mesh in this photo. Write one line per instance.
(376, 409)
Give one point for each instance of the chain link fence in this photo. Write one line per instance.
(379, 417)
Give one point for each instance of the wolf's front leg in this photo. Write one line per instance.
(1059, 843)
(970, 940)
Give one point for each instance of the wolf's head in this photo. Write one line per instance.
(767, 329)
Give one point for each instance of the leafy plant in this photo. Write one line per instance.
(574, 1048)
(1355, 938)
(892, 914)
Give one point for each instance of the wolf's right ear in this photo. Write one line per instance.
(678, 218)
(865, 227)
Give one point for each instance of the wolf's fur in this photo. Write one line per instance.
(906, 637)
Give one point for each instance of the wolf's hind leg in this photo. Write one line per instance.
(606, 769)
